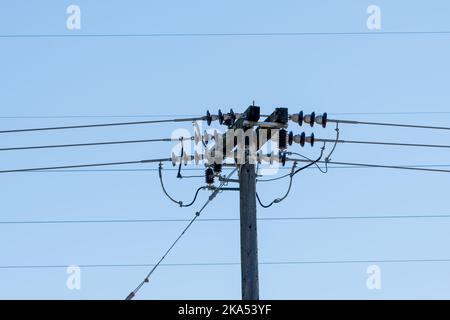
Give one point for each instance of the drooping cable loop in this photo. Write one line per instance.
(180, 203)
(291, 175)
(278, 200)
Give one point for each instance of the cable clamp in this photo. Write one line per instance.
(294, 166)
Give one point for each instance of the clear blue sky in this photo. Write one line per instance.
(187, 75)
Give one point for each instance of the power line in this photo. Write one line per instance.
(398, 144)
(202, 170)
(180, 203)
(233, 34)
(96, 116)
(338, 165)
(366, 165)
(386, 124)
(197, 214)
(217, 220)
(197, 115)
(390, 113)
(176, 120)
(114, 124)
(225, 264)
(90, 144)
(104, 164)
(294, 171)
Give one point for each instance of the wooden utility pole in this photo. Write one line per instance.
(247, 186)
(249, 235)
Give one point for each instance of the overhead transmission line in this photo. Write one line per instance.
(217, 220)
(398, 144)
(323, 120)
(104, 164)
(368, 165)
(90, 144)
(215, 192)
(209, 118)
(227, 34)
(113, 124)
(387, 124)
(393, 113)
(86, 116)
(225, 264)
(339, 164)
(137, 141)
(202, 170)
(197, 215)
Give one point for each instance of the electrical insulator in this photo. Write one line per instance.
(217, 168)
(322, 120)
(310, 118)
(209, 176)
(291, 138)
(198, 157)
(207, 137)
(232, 116)
(230, 119)
(298, 118)
(208, 118)
(221, 117)
(174, 159)
(262, 157)
(282, 139)
(310, 139)
(302, 139)
(197, 137)
(271, 157)
(217, 136)
(184, 159)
